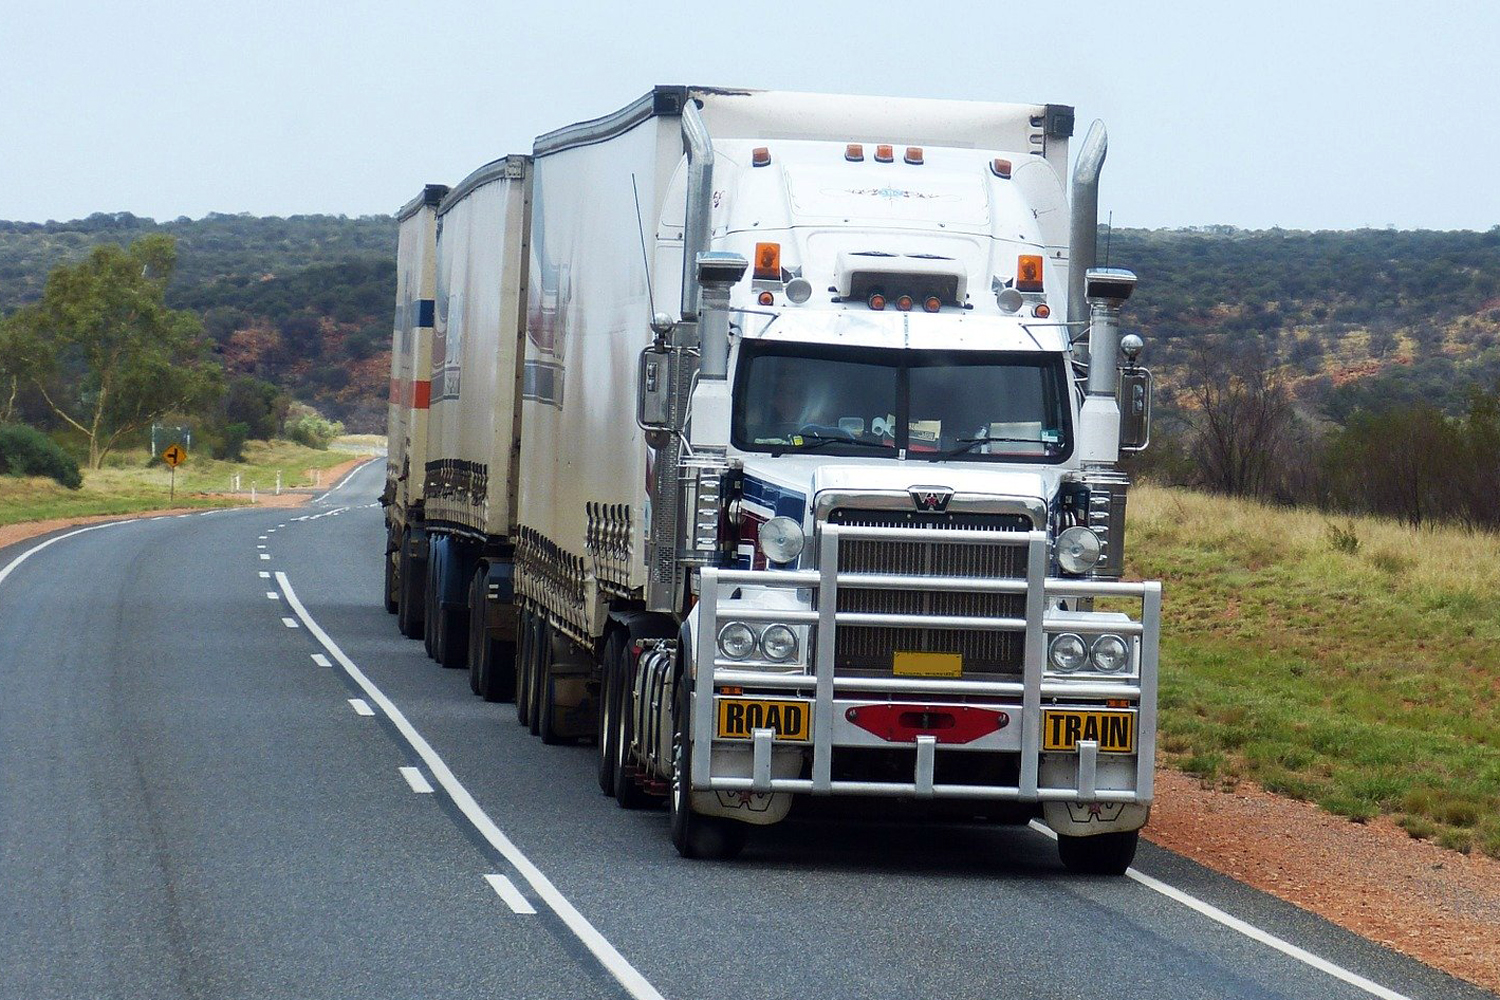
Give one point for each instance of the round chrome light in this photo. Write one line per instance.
(781, 539)
(1110, 654)
(799, 290)
(737, 641)
(779, 643)
(1067, 653)
(1078, 550)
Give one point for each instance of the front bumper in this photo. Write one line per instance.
(1085, 773)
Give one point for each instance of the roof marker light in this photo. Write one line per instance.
(760, 156)
(854, 152)
(885, 154)
(1029, 273)
(766, 298)
(1000, 168)
(877, 301)
(768, 261)
(1041, 310)
(933, 304)
(914, 155)
(904, 303)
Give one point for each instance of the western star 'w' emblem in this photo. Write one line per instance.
(931, 497)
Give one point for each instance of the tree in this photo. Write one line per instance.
(1243, 420)
(103, 349)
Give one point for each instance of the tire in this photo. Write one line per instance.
(497, 681)
(1101, 854)
(536, 672)
(452, 637)
(392, 581)
(546, 715)
(628, 791)
(695, 836)
(607, 709)
(429, 607)
(523, 658)
(410, 589)
(477, 638)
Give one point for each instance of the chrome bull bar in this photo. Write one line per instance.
(1034, 686)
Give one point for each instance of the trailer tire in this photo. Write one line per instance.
(492, 662)
(452, 639)
(409, 617)
(628, 791)
(693, 835)
(536, 672)
(607, 709)
(477, 637)
(546, 714)
(392, 582)
(523, 660)
(429, 604)
(1101, 854)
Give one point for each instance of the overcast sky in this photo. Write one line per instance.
(1307, 115)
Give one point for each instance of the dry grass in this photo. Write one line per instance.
(1350, 661)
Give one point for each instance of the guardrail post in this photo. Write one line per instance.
(1035, 657)
(828, 602)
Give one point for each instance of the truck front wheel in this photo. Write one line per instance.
(693, 835)
(1101, 854)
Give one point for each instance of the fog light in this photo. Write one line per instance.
(737, 641)
(1078, 550)
(1067, 653)
(779, 643)
(1110, 654)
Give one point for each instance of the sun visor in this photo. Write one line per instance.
(862, 273)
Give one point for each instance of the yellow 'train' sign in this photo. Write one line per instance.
(174, 455)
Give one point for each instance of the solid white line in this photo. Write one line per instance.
(265, 574)
(273, 595)
(321, 660)
(289, 622)
(416, 781)
(508, 892)
(1251, 931)
(361, 707)
(616, 964)
(18, 560)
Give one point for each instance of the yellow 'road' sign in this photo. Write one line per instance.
(174, 455)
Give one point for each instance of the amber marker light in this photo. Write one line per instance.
(885, 154)
(766, 298)
(933, 304)
(1029, 273)
(1041, 310)
(768, 261)
(1000, 168)
(877, 301)
(854, 152)
(914, 155)
(904, 303)
(760, 156)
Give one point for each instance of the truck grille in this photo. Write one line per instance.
(867, 651)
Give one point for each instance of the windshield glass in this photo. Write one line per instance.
(973, 406)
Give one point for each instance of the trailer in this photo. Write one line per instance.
(802, 472)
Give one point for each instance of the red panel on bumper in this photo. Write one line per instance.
(947, 723)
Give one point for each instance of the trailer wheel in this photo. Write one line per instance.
(477, 637)
(546, 716)
(429, 603)
(628, 791)
(541, 653)
(410, 588)
(452, 638)
(523, 659)
(607, 710)
(693, 835)
(392, 582)
(1101, 854)
(492, 662)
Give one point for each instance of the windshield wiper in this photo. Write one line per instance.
(811, 441)
(969, 444)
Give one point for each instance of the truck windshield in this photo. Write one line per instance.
(962, 405)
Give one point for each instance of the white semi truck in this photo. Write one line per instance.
(773, 442)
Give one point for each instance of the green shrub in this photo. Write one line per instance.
(228, 444)
(26, 451)
(307, 426)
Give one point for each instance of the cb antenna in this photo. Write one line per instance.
(640, 228)
(1109, 231)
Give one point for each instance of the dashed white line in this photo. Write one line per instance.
(260, 546)
(265, 574)
(415, 779)
(615, 963)
(361, 707)
(273, 595)
(1251, 931)
(265, 555)
(289, 622)
(321, 660)
(507, 891)
(261, 537)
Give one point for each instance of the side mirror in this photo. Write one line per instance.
(653, 390)
(1135, 409)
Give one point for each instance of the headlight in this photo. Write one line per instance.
(1067, 653)
(1077, 550)
(778, 643)
(1110, 653)
(781, 539)
(737, 641)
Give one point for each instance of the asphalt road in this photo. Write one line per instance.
(192, 806)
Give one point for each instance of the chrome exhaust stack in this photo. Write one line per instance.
(1083, 238)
